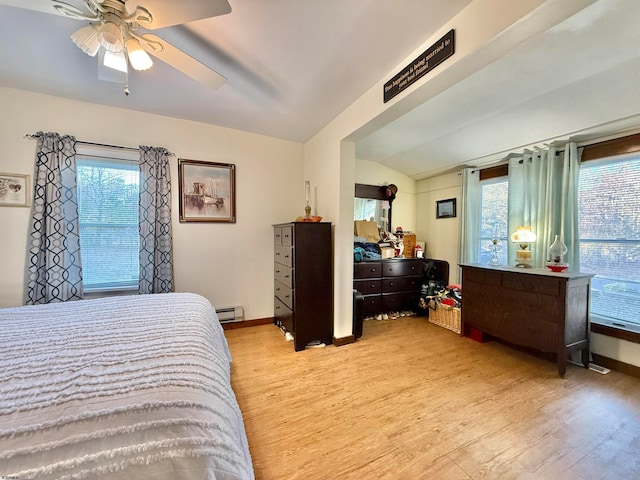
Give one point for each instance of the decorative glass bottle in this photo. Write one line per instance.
(307, 199)
(495, 248)
(557, 251)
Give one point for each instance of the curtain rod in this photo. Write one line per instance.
(93, 144)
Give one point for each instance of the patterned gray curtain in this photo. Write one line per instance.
(156, 264)
(54, 270)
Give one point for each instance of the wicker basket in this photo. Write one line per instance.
(447, 317)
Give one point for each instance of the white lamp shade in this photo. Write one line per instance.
(110, 37)
(523, 235)
(115, 60)
(140, 60)
(86, 39)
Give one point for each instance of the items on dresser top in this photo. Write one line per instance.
(303, 271)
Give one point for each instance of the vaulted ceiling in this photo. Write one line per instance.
(292, 66)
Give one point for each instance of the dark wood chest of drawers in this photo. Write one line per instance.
(303, 273)
(388, 285)
(533, 308)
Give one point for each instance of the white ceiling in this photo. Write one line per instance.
(293, 65)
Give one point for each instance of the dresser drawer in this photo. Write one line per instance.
(287, 235)
(399, 301)
(367, 270)
(284, 293)
(401, 284)
(372, 304)
(283, 314)
(368, 287)
(284, 255)
(531, 283)
(277, 235)
(482, 277)
(284, 275)
(397, 268)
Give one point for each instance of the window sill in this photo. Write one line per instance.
(630, 333)
(110, 292)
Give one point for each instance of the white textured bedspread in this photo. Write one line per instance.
(134, 387)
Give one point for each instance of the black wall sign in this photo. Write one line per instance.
(430, 58)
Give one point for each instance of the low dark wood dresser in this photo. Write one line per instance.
(388, 285)
(530, 307)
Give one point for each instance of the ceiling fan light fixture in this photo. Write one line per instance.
(115, 60)
(140, 60)
(86, 39)
(110, 37)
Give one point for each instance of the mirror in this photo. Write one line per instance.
(374, 202)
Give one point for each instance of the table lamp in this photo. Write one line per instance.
(523, 236)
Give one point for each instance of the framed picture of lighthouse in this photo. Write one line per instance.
(207, 191)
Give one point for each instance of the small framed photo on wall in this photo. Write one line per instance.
(446, 208)
(15, 190)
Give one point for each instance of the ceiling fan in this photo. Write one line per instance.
(116, 29)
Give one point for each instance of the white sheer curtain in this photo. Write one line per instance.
(470, 210)
(543, 193)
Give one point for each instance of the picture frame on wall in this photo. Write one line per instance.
(15, 190)
(207, 191)
(446, 208)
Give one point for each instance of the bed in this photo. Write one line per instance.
(133, 387)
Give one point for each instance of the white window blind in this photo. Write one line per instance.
(494, 219)
(108, 197)
(609, 214)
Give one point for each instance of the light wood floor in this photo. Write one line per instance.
(411, 400)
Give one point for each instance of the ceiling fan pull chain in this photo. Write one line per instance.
(126, 83)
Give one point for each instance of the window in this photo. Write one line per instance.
(494, 218)
(108, 197)
(609, 216)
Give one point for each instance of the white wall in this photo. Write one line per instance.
(441, 234)
(230, 264)
(615, 348)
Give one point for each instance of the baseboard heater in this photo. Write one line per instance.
(230, 314)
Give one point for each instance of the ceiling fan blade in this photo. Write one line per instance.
(56, 7)
(167, 13)
(181, 61)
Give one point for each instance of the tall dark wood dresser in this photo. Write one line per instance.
(303, 271)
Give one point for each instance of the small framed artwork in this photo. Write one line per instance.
(14, 190)
(446, 208)
(207, 191)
